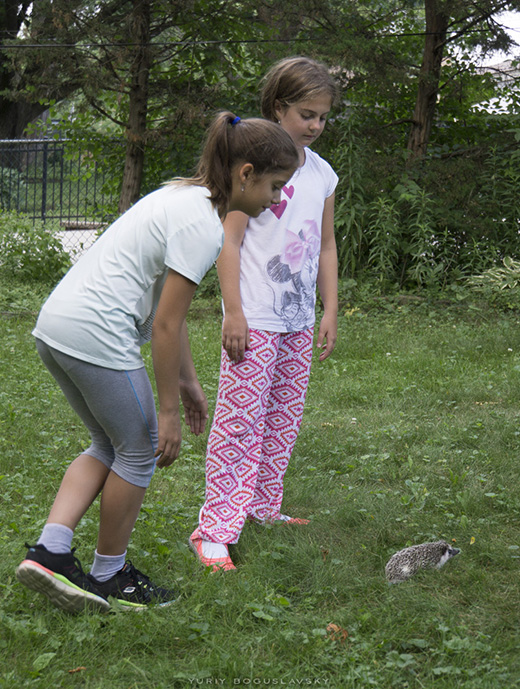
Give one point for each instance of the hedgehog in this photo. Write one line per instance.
(409, 561)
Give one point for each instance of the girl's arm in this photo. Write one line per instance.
(328, 282)
(171, 361)
(192, 395)
(235, 331)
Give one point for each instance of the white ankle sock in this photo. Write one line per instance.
(212, 550)
(57, 538)
(105, 566)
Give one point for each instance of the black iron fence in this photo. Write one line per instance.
(54, 182)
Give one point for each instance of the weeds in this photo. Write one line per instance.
(30, 251)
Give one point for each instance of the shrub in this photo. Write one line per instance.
(500, 285)
(12, 187)
(30, 251)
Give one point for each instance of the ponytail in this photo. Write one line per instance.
(230, 141)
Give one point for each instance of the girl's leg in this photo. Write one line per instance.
(120, 502)
(235, 439)
(83, 480)
(120, 505)
(118, 409)
(86, 475)
(283, 420)
(123, 402)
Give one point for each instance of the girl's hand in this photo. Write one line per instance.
(327, 334)
(195, 405)
(170, 436)
(235, 336)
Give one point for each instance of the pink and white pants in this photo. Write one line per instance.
(256, 422)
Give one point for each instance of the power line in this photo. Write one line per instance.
(188, 44)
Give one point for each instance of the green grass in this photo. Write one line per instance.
(410, 434)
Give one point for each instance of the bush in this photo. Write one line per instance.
(499, 285)
(12, 187)
(30, 251)
(450, 215)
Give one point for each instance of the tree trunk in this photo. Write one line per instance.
(138, 105)
(15, 115)
(429, 76)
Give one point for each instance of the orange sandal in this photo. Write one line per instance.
(216, 563)
(281, 519)
(292, 520)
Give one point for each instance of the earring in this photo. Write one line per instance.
(242, 188)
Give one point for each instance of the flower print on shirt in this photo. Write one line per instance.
(293, 275)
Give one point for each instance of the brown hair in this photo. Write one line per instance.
(229, 141)
(292, 80)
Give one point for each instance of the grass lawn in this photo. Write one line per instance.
(411, 433)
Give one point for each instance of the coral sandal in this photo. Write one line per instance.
(224, 564)
(285, 519)
(281, 519)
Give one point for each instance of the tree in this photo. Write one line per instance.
(141, 65)
(156, 70)
(151, 69)
(138, 103)
(17, 108)
(469, 23)
(436, 28)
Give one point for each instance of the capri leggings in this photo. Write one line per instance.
(118, 409)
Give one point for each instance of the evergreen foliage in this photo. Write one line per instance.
(408, 218)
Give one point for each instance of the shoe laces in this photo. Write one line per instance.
(77, 563)
(138, 578)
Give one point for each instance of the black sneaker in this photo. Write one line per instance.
(60, 577)
(133, 589)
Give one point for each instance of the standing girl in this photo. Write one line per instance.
(268, 269)
(136, 284)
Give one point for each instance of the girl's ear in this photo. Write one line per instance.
(279, 109)
(246, 172)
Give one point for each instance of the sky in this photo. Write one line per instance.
(511, 22)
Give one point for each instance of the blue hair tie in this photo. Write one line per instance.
(235, 121)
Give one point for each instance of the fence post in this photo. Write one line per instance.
(44, 179)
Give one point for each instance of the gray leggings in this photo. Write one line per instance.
(118, 409)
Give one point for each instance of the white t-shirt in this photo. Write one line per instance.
(102, 311)
(280, 252)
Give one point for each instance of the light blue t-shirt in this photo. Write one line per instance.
(103, 309)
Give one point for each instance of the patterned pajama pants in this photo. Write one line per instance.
(257, 418)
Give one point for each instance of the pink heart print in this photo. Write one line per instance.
(279, 209)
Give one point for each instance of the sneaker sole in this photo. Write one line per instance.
(59, 590)
(128, 606)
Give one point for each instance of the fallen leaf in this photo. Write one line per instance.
(472, 540)
(336, 633)
(77, 669)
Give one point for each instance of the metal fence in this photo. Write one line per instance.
(53, 182)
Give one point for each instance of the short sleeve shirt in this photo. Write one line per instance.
(102, 310)
(280, 252)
